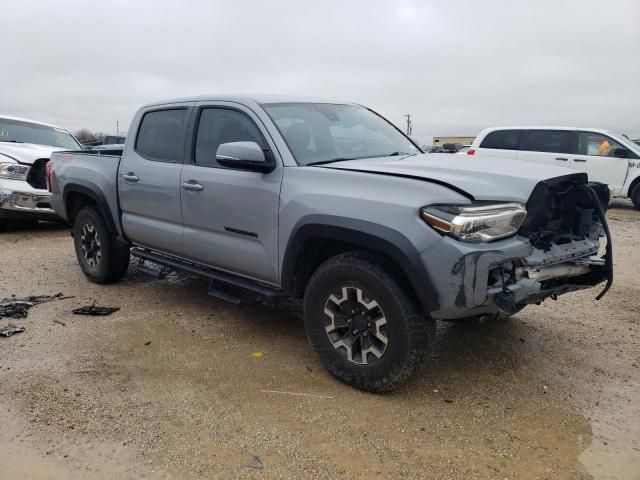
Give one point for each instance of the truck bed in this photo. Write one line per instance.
(93, 172)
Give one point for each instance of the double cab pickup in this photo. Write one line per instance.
(331, 203)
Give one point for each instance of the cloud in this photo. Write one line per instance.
(457, 66)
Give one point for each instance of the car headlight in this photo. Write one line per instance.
(478, 222)
(14, 171)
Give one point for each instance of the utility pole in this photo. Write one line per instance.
(117, 127)
(409, 125)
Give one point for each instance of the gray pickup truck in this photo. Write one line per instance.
(331, 203)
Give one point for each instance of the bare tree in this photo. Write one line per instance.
(84, 135)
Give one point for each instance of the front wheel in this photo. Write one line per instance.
(363, 323)
(635, 196)
(101, 257)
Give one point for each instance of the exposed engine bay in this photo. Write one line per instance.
(565, 221)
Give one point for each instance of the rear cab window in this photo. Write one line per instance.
(161, 135)
(503, 140)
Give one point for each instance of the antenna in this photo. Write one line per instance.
(409, 125)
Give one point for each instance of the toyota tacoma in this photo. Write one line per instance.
(331, 203)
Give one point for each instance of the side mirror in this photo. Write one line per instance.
(621, 152)
(245, 156)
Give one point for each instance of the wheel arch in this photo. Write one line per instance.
(319, 237)
(77, 196)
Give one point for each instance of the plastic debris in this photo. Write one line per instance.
(255, 463)
(257, 354)
(19, 307)
(95, 311)
(10, 330)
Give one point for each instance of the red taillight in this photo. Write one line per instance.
(47, 174)
(471, 151)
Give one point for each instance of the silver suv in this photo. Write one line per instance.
(331, 203)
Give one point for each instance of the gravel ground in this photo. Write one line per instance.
(168, 387)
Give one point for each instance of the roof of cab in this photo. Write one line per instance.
(246, 99)
(21, 119)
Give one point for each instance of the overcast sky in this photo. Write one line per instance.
(456, 66)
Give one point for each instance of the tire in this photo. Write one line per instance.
(346, 283)
(101, 257)
(3, 224)
(635, 196)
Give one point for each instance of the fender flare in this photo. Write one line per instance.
(92, 191)
(371, 236)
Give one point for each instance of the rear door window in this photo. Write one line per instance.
(161, 135)
(503, 140)
(552, 141)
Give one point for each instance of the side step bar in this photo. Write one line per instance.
(214, 275)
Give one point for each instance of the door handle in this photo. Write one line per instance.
(562, 159)
(130, 177)
(193, 186)
(579, 160)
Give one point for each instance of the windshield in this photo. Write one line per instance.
(323, 132)
(25, 132)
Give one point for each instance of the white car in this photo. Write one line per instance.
(25, 148)
(605, 156)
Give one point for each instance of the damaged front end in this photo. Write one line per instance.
(565, 221)
(556, 250)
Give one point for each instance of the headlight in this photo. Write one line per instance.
(14, 171)
(478, 222)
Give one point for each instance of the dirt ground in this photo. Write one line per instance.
(168, 387)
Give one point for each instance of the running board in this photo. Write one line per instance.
(214, 275)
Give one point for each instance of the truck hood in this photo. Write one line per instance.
(478, 177)
(26, 152)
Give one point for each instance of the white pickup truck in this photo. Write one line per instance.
(603, 155)
(25, 149)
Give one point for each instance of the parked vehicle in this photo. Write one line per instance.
(432, 149)
(605, 156)
(25, 148)
(331, 203)
(451, 147)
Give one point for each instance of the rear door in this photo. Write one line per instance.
(149, 179)
(595, 154)
(230, 216)
(552, 147)
(501, 143)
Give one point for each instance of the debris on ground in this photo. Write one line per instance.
(13, 307)
(297, 394)
(94, 310)
(257, 354)
(147, 343)
(10, 330)
(255, 463)
(59, 322)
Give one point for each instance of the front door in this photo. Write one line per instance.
(230, 216)
(595, 155)
(149, 180)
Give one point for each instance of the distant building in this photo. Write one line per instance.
(463, 140)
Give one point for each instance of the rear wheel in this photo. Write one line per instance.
(3, 224)
(635, 196)
(366, 328)
(101, 257)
